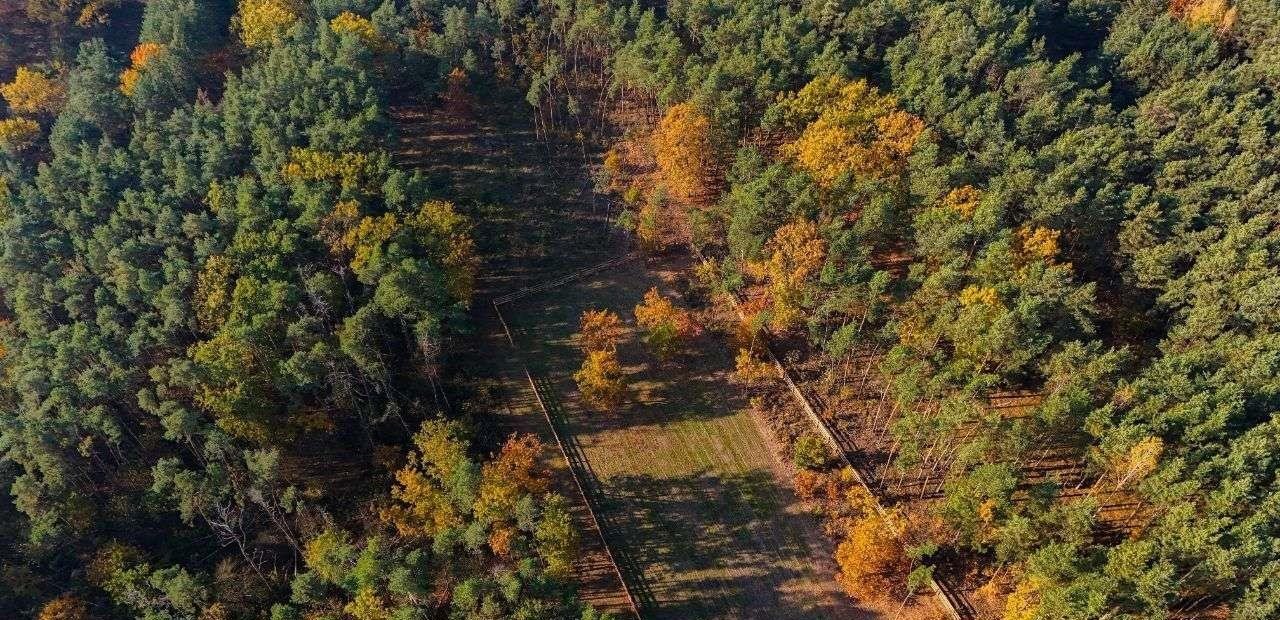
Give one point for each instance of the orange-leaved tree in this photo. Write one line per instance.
(139, 58)
(1217, 14)
(65, 607)
(872, 560)
(599, 330)
(514, 473)
(17, 134)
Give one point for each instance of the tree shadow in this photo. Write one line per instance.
(715, 545)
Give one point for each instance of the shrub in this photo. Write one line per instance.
(810, 452)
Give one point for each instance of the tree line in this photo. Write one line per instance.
(226, 314)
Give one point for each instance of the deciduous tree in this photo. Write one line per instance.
(600, 380)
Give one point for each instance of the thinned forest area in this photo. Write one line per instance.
(652, 309)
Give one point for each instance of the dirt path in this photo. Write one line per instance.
(496, 173)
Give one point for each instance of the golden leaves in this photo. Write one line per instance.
(1037, 242)
(963, 200)
(315, 165)
(855, 130)
(32, 92)
(599, 330)
(798, 252)
(508, 477)
(1139, 461)
(349, 23)
(18, 134)
(683, 149)
(262, 23)
(974, 295)
(666, 326)
(600, 380)
(1219, 15)
(212, 295)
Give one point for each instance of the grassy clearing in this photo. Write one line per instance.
(684, 480)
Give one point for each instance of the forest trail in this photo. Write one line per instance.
(495, 173)
(691, 491)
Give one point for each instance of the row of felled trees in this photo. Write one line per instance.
(989, 198)
(224, 302)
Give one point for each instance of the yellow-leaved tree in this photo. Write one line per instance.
(849, 128)
(601, 380)
(422, 506)
(683, 148)
(350, 23)
(797, 252)
(18, 134)
(261, 23)
(33, 92)
(666, 327)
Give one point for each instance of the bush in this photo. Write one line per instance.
(810, 452)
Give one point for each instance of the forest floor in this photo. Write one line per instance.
(692, 491)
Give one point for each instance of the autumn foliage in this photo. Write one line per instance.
(17, 134)
(683, 149)
(261, 23)
(666, 327)
(66, 607)
(872, 561)
(797, 253)
(601, 380)
(849, 128)
(1219, 15)
(350, 23)
(599, 330)
(141, 56)
(33, 92)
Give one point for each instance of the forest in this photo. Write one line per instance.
(613, 309)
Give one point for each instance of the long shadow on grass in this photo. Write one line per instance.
(713, 545)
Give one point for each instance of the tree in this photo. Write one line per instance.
(1219, 15)
(810, 452)
(599, 330)
(872, 562)
(797, 252)
(666, 327)
(427, 500)
(65, 607)
(850, 128)
(261, 23)
(34, 92)
(684, 152)
(601, 380)
(356, 25)
(141, 57)
(18, 134)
